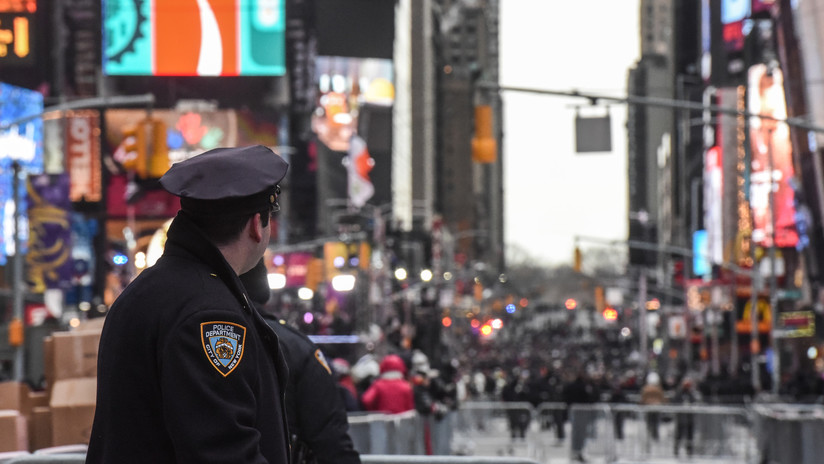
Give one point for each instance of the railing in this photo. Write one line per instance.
(519, 433)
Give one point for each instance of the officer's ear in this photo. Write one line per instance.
(256, 226)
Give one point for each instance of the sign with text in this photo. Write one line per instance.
(83, 156)
(17, 32)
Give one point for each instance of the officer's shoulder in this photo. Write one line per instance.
(284, 330)
(292, 337)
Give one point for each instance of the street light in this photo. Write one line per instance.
(276, 281)
(400, 273)
(305, 293)
(343, 282)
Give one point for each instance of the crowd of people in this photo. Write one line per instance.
(212, 378)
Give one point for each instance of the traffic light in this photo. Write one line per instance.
(484, 145)
(576, 260)
(600, 302)
(146, 150)
(158, 149)
(16, 332)
(134, 145)
(314, 274)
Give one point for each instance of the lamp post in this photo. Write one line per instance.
(18, 285)
(776, 371)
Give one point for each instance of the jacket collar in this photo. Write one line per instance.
(185, 239)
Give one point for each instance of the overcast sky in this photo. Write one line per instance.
(552, 194)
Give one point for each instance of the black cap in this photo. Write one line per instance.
(227, 181)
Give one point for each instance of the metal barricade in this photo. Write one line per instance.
(395, 459)
(68, 458)
(490, 428)
(387, 433)
(626, 431)
(790, 433)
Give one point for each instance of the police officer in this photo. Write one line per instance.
(317, 417)
(188, 370)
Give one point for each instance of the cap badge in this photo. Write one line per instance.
(271, 198)
(223, 344)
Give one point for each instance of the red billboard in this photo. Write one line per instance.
(771, 195)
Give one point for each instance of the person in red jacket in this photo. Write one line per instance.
(391, 392)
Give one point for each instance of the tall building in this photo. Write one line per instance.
(651, 131)
(470, 192)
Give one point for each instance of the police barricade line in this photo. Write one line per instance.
(387, 433)
(411, 459)
(72, 458)
(628, 431)
(365, 458)
(490, 428)
(790, 433)
(551, 430)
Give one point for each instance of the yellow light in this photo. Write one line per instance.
(486, 330)
(21, 36)
(570, 304)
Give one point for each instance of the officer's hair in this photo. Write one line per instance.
(222, 230)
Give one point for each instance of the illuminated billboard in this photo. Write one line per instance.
(21, 143)
(772, 159)
(17, 32)
(194, 38)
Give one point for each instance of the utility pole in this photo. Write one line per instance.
(642, 316)
(776, 351)
(17, 286)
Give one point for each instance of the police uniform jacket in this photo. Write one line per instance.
(315, 411)
(188, 371)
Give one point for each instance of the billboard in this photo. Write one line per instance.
(83, 155)
(203, 38)
(772, 198)
(190, 133)
(21, 143)
(49, 263)
(17, 32)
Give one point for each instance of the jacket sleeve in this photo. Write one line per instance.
(322, 418)
(210, 415)
(369, 398)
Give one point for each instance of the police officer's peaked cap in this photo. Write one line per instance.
(227, 181)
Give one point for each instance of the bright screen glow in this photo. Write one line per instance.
(204, 38)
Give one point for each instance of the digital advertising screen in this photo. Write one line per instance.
(17, 32)
(772, 197)
(194, 37)
(21, 143)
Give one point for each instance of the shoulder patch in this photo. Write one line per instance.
(322, 360)
(223, 343)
